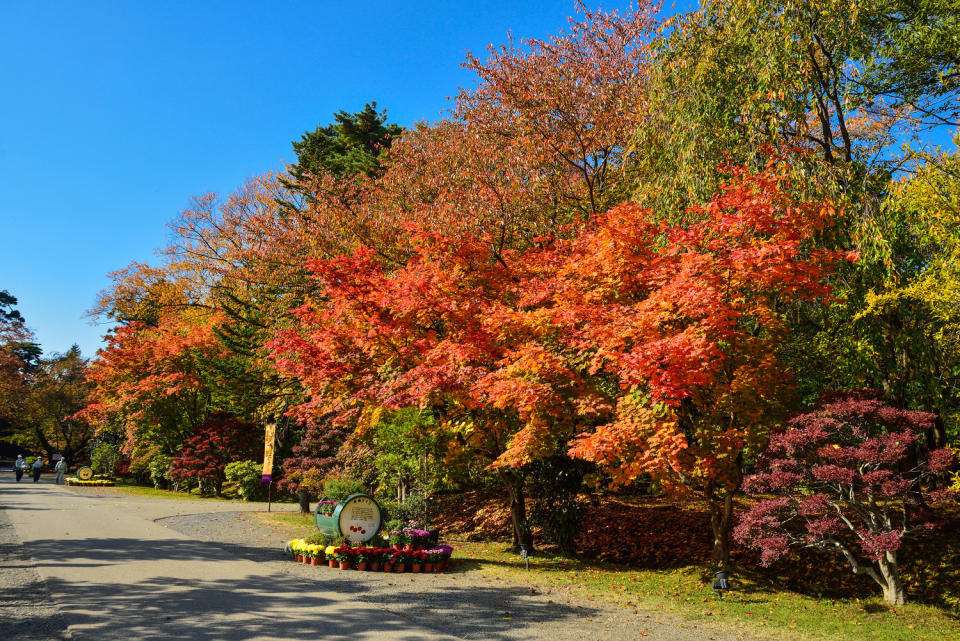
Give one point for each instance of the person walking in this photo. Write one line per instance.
(37, 466)
(19, 466)
(60, 467)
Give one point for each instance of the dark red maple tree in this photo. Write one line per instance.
(852, 478)
(222, 439)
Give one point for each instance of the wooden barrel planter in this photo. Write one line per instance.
(358, 519)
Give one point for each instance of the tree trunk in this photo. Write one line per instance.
(721, 517)
(304, 496)
(513, 481)
(893, 592)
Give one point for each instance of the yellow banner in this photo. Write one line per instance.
(268, 452)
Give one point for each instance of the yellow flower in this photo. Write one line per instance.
(330, 549)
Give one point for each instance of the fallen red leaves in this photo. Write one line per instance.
(653, 533)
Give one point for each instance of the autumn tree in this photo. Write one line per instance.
(443, 334)
(58, 390)
(844, 481)
(149, 382)
(683, 323)
(222, 439)
(19, 359)
(837, 86)
(447, 236)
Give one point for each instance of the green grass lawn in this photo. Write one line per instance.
(686, 592)
(129, 487)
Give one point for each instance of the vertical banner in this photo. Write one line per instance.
(271, 433)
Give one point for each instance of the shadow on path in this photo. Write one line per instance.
(275, 605)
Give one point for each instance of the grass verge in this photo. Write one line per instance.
(686, 592)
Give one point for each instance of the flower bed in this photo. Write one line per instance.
(326, 508)
(409, 538)
(72, 480)
(371, 559)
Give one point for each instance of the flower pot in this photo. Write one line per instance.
(443, 565)
(398, 547)
(363, 566)
(345, 565)
(314, 560)
(388, 567)
(399, 568)
(374, 566)
(428, 567)
(409, 547)
(333, 563)
(415, 568)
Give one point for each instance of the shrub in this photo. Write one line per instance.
(140, 462)
(204, 456)
(247, 476)
(418, 507)
(340, 489)
(554, 486)
(319, 538)
(159, 467)
(104, 458)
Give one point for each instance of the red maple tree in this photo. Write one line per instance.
(850, 477)
(222, 439)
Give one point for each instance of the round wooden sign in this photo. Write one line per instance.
(85, 473)
(358, 519)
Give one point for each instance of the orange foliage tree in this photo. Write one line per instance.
(430, 310)
(149, 381)
(684, 323)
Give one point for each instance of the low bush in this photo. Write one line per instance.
(340, 489)
(104, 458)
(159, 467)
(247, 476)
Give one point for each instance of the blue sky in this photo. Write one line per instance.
(115, 113)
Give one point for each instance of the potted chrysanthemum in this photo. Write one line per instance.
(345, 556)
(330, 552)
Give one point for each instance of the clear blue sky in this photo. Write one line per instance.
(115, 113)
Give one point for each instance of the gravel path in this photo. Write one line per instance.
(26, 610)
(465, 604)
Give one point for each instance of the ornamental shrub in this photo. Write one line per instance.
(554, 485)
(140, 461)
(159, 467)
(340, 489)
(417, 507)
(851, 478)
(104, 458)
(247, 476)
(222, 439)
